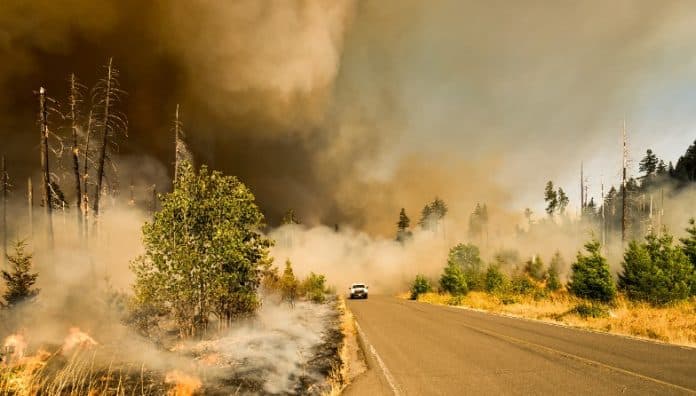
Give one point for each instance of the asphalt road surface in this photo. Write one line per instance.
(420, 349)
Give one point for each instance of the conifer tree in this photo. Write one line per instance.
(289, 284)
(562, 201)
(590, 277)
(648, 165)
(656, 271)
(402, 227)
(553, 281)
(551, 198)
(20, 281)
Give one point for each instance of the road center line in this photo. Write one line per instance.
(382, 366)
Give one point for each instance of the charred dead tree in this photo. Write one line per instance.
(4, 180)
(30, 206)
(45, 167)
(624, 195)
(85, 175)
(75, 98)
(106, 96)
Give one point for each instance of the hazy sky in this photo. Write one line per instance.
(349, 110)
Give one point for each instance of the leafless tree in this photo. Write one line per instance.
(5, 181)
(105, 97)
(45, 166)
(75, 100)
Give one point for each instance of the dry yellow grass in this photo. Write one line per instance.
(674, 324)
(350, 366)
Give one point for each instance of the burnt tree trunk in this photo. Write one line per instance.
(75, 152)
(105, 136)
(45, 168)
(3, 175)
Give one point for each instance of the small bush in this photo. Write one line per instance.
(289, 285)
(535, 268)
(314, 287)
(419, 286)
(468, 258)
(495, 279)
(453, 280)
(585, 310)
(590, 277)
(553, 281)
(521, 284)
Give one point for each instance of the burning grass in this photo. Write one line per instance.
(674, 324)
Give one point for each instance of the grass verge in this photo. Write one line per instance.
(674, 324)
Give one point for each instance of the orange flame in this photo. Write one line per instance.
(184, 384)
(77, 338)
(15, 346)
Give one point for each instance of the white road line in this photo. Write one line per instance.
(382, 366)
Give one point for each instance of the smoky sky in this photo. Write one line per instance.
(349, 110)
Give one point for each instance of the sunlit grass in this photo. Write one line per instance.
(675, 323)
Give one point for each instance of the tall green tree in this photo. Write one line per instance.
(403, 232)
(689, 242)
(551, 198)
(204, 254)
(553, 281)
(590, 277)
(20, 280)
(562, 201)
(685, 169)
(432, 214)
(468, 258)
(648, 165)
(656, 271)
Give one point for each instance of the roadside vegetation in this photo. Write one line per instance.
(653, 296)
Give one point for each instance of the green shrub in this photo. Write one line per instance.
(496, 280)
(456, 300)
(419, 286)
(553, 281)
(521, 284)
(656, 271)
(314, 288)
(453, 280)
(689, 249)
(590, 310)
(468, 258)
(289, 285)
(590, 277)
(535, 268)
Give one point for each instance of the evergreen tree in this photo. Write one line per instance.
(19, 283)
(590, 277)
(551, 198)
(553, 281)
(432, 214)
(290, 218)
(562, 201)
(535, 268)
(453, 280)
(648, 165)
(204, 252)
(689, 243)
(656, 271)
(289, 284)
(495, 279)
(661, 168)
(685, 170)
(402, 227)
(475, 222)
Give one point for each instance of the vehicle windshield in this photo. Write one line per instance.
(356, 285)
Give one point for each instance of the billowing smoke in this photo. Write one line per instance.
(335, 108)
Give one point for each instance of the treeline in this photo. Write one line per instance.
(657, 270)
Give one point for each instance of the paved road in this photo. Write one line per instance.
(422, 349)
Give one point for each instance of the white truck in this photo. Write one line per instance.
(357, 290)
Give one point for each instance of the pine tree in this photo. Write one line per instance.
(289, 284)
(20, 281)
(553, 281)
(685, 169)
(562, 201)
(649, 164)
(656, 271)
(290, 218)
(535, 268)
(432, 214)
(590, 277)
(402, 227)
(689, 243)
(551, 198)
